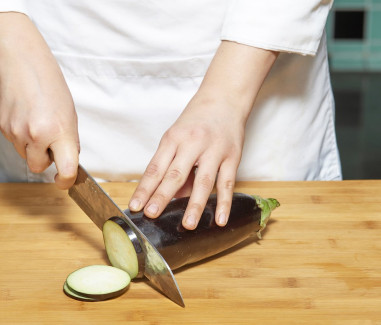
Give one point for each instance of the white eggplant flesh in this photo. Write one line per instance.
(120, 250)
(75, 295)
(97, 282)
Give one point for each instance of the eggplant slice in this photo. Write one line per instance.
(97, 282)
(75, 295)
(120, 249)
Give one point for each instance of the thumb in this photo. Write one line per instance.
(65, 154)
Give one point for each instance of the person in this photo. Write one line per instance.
(182, 96)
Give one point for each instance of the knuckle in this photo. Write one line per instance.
(194, 133)
(67, 170)
(38, 131)
(197, 207)
(140, 192)
(152, 170)
(228, 184)
(15, 131)
(160, 198)
(174, 175)
(66, 176)
(169, 135)
(205, 181)
(35, 137)
(36, 168)
(199, 133)
(225, 204)
(234, 152)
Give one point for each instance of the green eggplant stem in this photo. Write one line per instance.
(266, 206)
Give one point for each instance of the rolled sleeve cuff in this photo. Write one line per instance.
(280, 25)
(14, 6)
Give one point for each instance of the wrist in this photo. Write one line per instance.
(236, 74)
(13, 24)
(21, 44)
(18, 34)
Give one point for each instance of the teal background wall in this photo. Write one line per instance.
(355, 64)
(356, 54)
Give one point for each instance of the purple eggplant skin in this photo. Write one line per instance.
(180, 246)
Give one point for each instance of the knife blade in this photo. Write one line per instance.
(99, 207)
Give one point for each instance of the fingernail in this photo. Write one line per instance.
(135, 204)
(153, 208)
(222, 219)
(190, 221)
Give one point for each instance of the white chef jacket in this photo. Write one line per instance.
(133, 65)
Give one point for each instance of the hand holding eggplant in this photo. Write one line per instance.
(198, 138)
(248, 217)
(37, 110)
(209, 134)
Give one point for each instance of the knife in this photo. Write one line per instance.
(99, 207)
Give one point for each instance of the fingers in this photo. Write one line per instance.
(225, 187)
(196, 139)
(186, 189)
(172, 179)
(152, 176)
(37, 158)
(66, 158)
(202, 187)
(179, 178)
(65, 154)
(36, 153)
(21, 149)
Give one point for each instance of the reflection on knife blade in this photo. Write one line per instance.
(99, 207)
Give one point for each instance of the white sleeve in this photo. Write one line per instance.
(14, 5)
(294, 26)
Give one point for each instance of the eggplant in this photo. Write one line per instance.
(96, 283)
(179, 246)
(72, 294)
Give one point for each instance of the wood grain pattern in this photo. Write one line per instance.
(319, 261)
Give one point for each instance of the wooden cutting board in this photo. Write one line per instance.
(319, 261)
